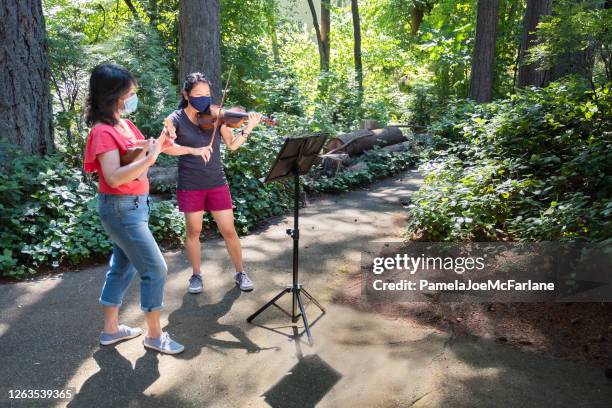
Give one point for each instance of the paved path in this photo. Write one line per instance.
(48, 334)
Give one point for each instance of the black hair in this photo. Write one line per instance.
(192, 80)
(108, 82)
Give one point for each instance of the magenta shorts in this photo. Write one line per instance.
(213, 199)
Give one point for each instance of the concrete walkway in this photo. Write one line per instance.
(49, 328)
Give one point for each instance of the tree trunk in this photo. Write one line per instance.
(578, 62)
(322, 32)
(481, 81)
(133, 10)
(325, 28)
(199, 41)
(25, 100)
(357, 49)
(529, 74)
(417, 14)
(152, 12)
(273, 37)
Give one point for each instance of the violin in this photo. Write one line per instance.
(232, 117)
(136, 152)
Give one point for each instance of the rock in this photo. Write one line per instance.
(357, 166)
(575, 321)
(161, 177)
(398, 147)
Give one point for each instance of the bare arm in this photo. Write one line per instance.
(233, 143)
(178, 150)
(174, 149)
(116, 175)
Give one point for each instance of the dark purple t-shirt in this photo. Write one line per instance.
(193, 172)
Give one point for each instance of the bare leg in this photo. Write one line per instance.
(111, 319)
(193, 221)
(153, 324)
(225, 223)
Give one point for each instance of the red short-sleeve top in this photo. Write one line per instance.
(104, 138)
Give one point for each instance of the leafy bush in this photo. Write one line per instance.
(46, 216)
(244, 168)
(535, 166)
(49, 216)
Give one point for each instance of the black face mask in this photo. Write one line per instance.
(200, 103)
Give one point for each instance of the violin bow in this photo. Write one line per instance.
(229, 75)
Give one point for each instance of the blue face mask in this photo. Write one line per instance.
(130, 104)
(200, 103)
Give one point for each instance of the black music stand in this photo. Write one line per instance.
(295, 158)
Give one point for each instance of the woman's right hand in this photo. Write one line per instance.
(205, 152)
(153, 150)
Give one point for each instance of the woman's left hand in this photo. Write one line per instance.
(170, 131)
(253, 120)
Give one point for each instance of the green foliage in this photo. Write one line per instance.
(255, 201)
(576, 27)
(139, 49)
(535, 166)
(47, 216)
(166, 223)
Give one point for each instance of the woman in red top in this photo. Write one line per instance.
(124, 205)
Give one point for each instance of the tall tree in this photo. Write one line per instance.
(271, 19)
(417, 13)
(578, 61)
(25, 100)
(481, 81)
(199, 41)
(322, 31)
(531, 74)
(357, 48)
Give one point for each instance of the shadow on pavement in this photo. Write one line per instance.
(304, 385)
(195, 326)
(117, 383)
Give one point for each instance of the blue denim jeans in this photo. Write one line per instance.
(125, 218)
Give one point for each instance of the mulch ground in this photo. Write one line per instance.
(572, 331)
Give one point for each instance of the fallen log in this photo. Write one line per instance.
(359, 141)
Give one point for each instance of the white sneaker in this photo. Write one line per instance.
(243, 281)
(195, 284)
(164, 344)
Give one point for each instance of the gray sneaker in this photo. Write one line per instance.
(195, 284)
(124, 333)
(243, 281)
(164, 344)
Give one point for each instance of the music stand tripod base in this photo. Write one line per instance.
(296, 157)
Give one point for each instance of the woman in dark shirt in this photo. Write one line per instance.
(202, 185)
